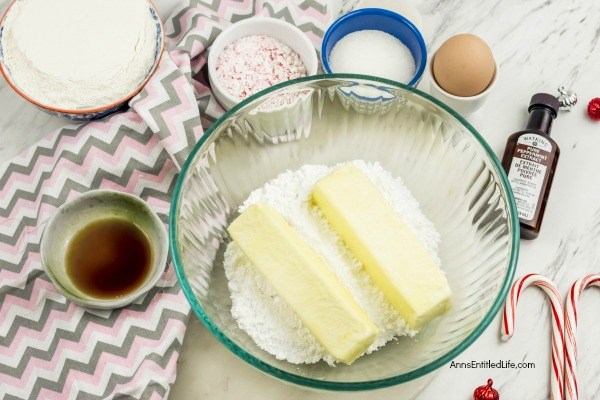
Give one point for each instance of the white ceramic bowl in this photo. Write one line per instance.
(281, 30)
(91, 206)
(462, 105)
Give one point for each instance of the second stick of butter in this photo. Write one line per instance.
(391, 254)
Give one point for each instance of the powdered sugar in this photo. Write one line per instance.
(265, 316)
(253, 63)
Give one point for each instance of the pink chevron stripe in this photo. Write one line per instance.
(151, 88)
(40, 336)
(182, 58)
(139, 318)
(203, 28)
(140, 344)
(188, 17)
(46, 210)
(40, 287)
(185, 21)
(315, 14)
(149, 368)
(8, 278)
(47, 394)
(169, 22)
(14, 249)
(160, 301)
(28, 179)
(297, 13)
(226, 8)
(24, 157)
(82, 347)
(46, 163)
(158, 203)
(118, 157)
(197, 48)
(106, 125)
(94, 155)
(9, 224)
(28, 208)
(179, 58)
(188, 103)
(166, 175)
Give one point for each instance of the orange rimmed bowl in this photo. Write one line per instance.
(89, 113)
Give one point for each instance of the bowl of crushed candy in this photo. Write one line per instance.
(91, 113)
(441, 159)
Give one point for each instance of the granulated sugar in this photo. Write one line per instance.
(373, 52)
(260, 311)
(253, 63)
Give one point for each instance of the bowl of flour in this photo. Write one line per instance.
(80, 59)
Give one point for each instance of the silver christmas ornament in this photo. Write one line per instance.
(566, 98)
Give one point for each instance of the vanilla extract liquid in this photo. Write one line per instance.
(530, 161)
(109, 258)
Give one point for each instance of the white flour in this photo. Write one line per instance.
(79, 54)
(265, 316)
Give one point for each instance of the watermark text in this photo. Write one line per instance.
(489, 364)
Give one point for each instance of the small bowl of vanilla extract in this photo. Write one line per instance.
(104, 249)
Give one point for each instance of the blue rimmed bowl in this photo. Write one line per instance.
(89, 113)
(380, 20)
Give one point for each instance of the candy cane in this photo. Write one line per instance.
(577, 289)
(558, 341)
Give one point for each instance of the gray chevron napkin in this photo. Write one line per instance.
(51, 348)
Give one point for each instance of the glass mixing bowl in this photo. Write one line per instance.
(444, 162)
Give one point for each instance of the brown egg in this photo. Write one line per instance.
(464, 65)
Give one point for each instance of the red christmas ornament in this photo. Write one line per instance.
(593, 109)
(486, 392)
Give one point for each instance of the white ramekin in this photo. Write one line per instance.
(462, 105)
(281, 30)
(92, 206)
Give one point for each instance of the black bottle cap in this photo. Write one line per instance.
(545, 100)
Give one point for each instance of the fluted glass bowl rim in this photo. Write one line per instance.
(322, 384)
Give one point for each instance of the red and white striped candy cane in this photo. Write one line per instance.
(578, 287)
(558, 341)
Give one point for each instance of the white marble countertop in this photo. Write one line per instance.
(540, 44)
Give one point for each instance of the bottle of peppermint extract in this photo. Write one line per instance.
(530, 160)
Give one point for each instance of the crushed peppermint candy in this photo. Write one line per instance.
(253, 63)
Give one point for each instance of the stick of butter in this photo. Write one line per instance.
(391, 254)
(303, 280)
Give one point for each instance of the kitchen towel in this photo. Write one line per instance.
(51, 348)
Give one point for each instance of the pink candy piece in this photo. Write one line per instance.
(558, 340)
(571, 389)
